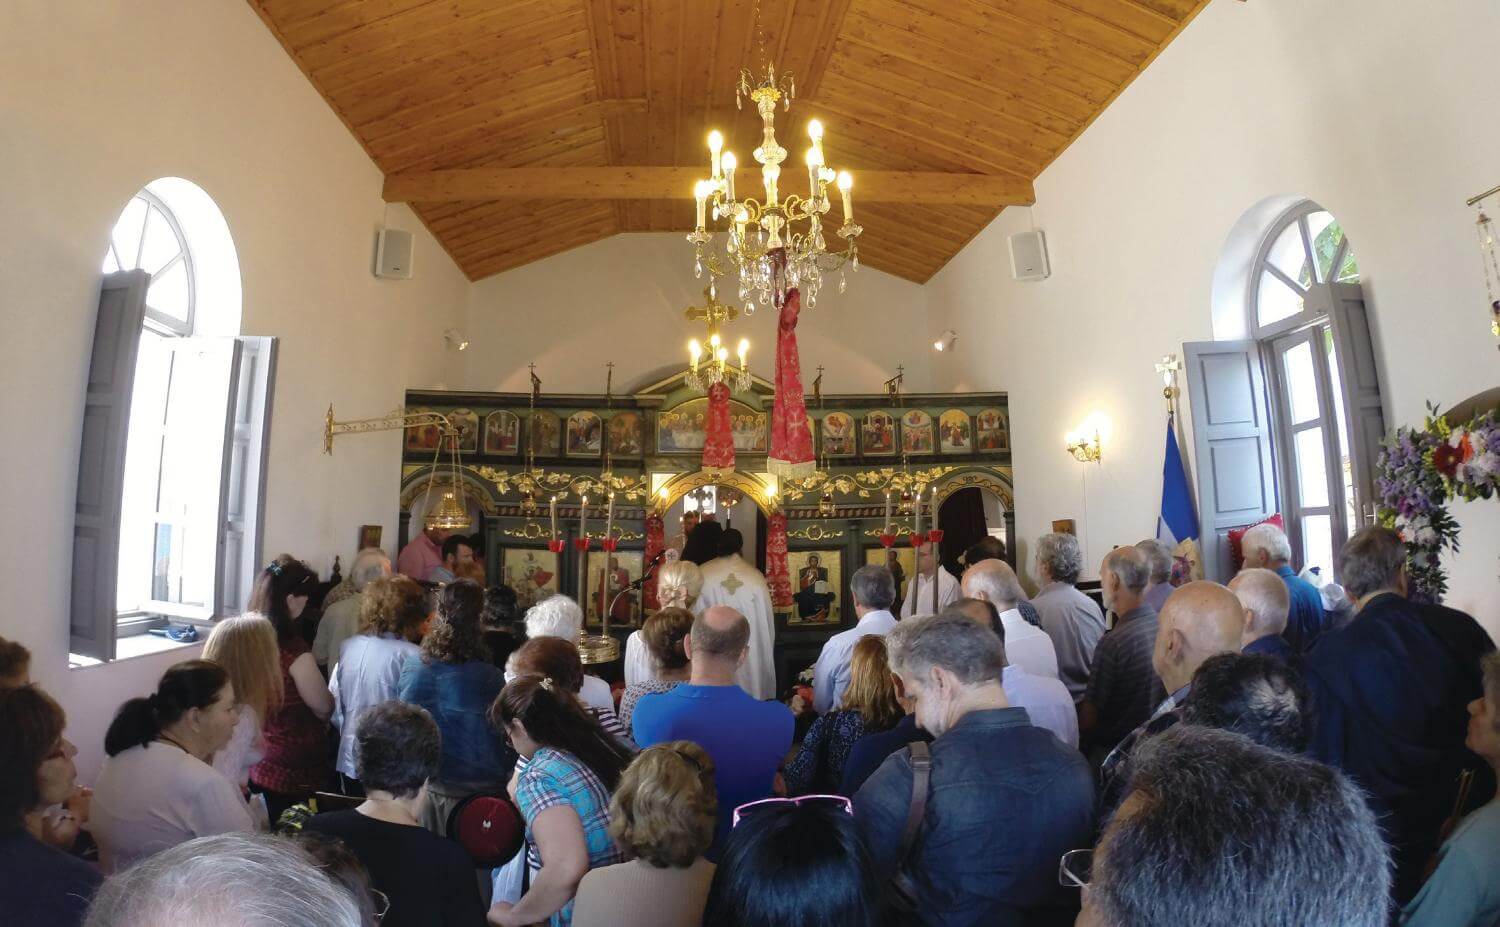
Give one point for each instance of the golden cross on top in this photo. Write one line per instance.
(1168, 367)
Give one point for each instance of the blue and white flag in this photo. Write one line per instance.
(1177, 526)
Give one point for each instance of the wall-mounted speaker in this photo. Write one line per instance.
(1028, 256)
(393, 254)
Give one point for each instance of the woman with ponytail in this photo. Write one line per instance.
(665, 635)
(570, 767)
(294, 761)
(677, 586)
(157, 788)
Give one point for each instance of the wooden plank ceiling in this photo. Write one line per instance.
(996, 87)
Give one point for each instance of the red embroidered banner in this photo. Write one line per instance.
(778, 574)
(718, 440)
(791, 451)
(656, 542)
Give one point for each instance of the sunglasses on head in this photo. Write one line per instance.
(749, 807)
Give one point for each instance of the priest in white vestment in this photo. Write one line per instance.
(919, 590)
(733, 581)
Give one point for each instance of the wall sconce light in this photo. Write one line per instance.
(1086, 442)
(946, 341)
(455, 340)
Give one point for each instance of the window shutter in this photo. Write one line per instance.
(1232, 440)
(244, 484)
(101, 464)
(1360, 382)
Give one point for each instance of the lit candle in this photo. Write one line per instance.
(934, 509)
(741, 218)
(769, 175)
(696, 350)
(887, 514)
(715, 144)
(846, 184)
(609, 517)
(554, 518)
(916, 507)
(583, 518)
(729, 163)
(814, 166)
(744, 352)
(700, 193)
(815, 132)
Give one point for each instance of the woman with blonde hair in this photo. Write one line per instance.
(392, 617)
(662, 816)
(677, 586)
(869, 706)
(246, 647)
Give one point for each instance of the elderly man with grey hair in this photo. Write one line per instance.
(1391, 689)
(873, 590)
(560, 616)
(1069, 617)
(1123, 687)
(1004, 798)
(1218, 831)
(1026, 645)
(231, 880)
(340, 619)
(1266, 547)
(1267, 603)
(1161, 572)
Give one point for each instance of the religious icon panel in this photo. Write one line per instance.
(423, 437)
(466, 423)
(531, 573)
(879, 435)
(916, 432)
(838, 435)
(546, 434)
(502, 434)
(683, 429)
(585, 435)
(816, 587)
(625, 434)
(953, 432)
(901, 560)
(989, 430)
(610, 575)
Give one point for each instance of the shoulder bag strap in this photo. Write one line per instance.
(921, 768)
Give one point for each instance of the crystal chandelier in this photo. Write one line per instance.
(777, 244)
(705, 368)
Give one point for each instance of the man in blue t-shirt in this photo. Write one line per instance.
(746, 738)
(1266, 546)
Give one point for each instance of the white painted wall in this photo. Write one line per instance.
(1382, 116)
(621, 300)
(96, 99)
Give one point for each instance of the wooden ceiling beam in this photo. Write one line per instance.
(676, 183)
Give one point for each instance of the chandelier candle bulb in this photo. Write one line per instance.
(814, 168)
(609, 518)
(700, 193)
(554, 518)
(583, 518)
(715, 144)
(887, 529)
(728, 163)
(846, 186)
(770, 174)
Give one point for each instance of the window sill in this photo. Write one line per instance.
(132, 647)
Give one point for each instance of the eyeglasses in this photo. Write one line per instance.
(381, 904)
(739, 812)
(1075, 869)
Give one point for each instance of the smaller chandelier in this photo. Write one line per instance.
(777, 244)
(706, 370)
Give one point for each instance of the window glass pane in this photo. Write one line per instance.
(160, 245)
(1346, 465)
(127, 233)
(1349, 270)
(1326, 236)
(1301, 383)
(148, 409)
(110, 264)
(1317, 543)
(1276, 300)
(1312, 468)
(1289, 256)
(168, 294)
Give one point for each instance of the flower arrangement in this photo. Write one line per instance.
(1421, 471)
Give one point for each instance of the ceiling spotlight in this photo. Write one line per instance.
(456, 340)
(946, 341)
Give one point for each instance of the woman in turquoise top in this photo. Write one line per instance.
(569, 766)
(1464, 891)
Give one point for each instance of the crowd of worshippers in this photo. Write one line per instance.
(1210, 756)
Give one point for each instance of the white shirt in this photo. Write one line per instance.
(640, 666)
(148, 799)
(1047, 701)
(246, 747)
(831, 672)
(733, 582)
(597, 694)
(919, 594)
(366, 675)
(1028, 646)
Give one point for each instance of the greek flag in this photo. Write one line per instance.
(1177, 526)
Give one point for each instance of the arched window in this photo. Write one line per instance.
(173, 453)
(1306, 311)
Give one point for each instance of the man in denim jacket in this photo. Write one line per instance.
(1005, 801)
